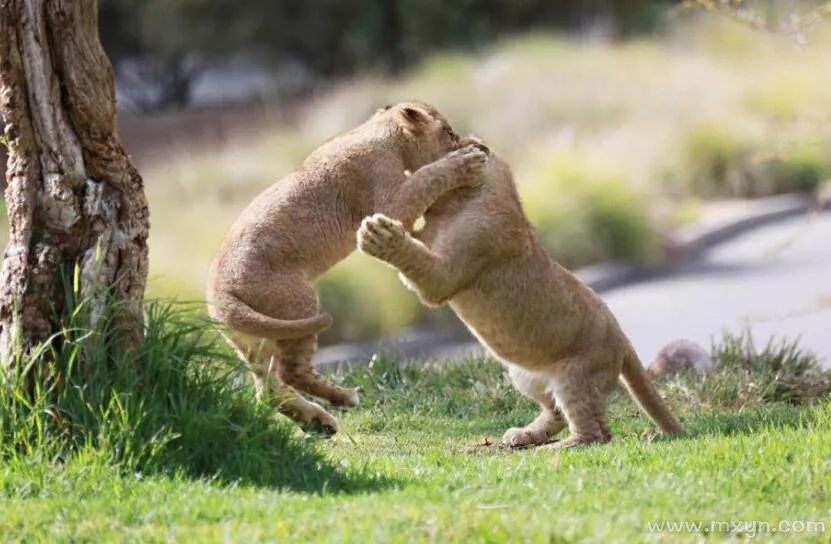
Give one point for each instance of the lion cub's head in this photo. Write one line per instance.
(426, 134)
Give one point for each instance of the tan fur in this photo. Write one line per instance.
(561, 344)
(259, 283)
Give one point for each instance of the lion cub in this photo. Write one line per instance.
(559, 341)
(259, 284)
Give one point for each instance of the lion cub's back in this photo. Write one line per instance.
(525, 307)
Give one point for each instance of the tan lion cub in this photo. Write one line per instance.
(259, 283)
(559, 341)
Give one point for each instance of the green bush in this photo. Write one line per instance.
(718, 161)
(802, 168)
(785, 97)
(586, 213)
(367, 299)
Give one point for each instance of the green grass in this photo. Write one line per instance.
(415, 462)
(433, 483)
(178, 404)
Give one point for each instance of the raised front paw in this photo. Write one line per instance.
(381, 236)
(467, 165)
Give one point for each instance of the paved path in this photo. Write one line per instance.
(775, 279)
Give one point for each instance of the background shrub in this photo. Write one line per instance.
(587, 213)
(745, 375)
(721, 160)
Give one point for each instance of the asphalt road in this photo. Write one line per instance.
(776, 280)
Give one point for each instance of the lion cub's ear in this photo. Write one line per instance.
(413, 117)
(473, 140)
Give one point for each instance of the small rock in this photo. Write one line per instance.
(680, 356)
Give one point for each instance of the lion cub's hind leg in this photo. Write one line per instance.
(261, 356)
(581, 390)
(295, 368)
(550, 420)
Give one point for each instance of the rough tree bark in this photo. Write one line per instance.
(73, 197)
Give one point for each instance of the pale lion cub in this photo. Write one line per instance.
(259, 283)
(559, 341)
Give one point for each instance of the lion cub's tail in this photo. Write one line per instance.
(239, 316)
(644, 393)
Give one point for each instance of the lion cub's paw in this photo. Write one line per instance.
(380, 236)
(520, 437)
(468, 163)
(321, 424)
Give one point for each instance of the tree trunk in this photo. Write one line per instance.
(76, 205)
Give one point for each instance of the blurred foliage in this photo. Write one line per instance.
(175, 38)
(171, 41)
(586, 213)
(592, 129)
(590, 164)
(720, 160)
(343, 292)
(594, 132)
(788, 17)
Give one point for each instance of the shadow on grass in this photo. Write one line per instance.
(177, 405)
(246, 444)
(208, 426)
